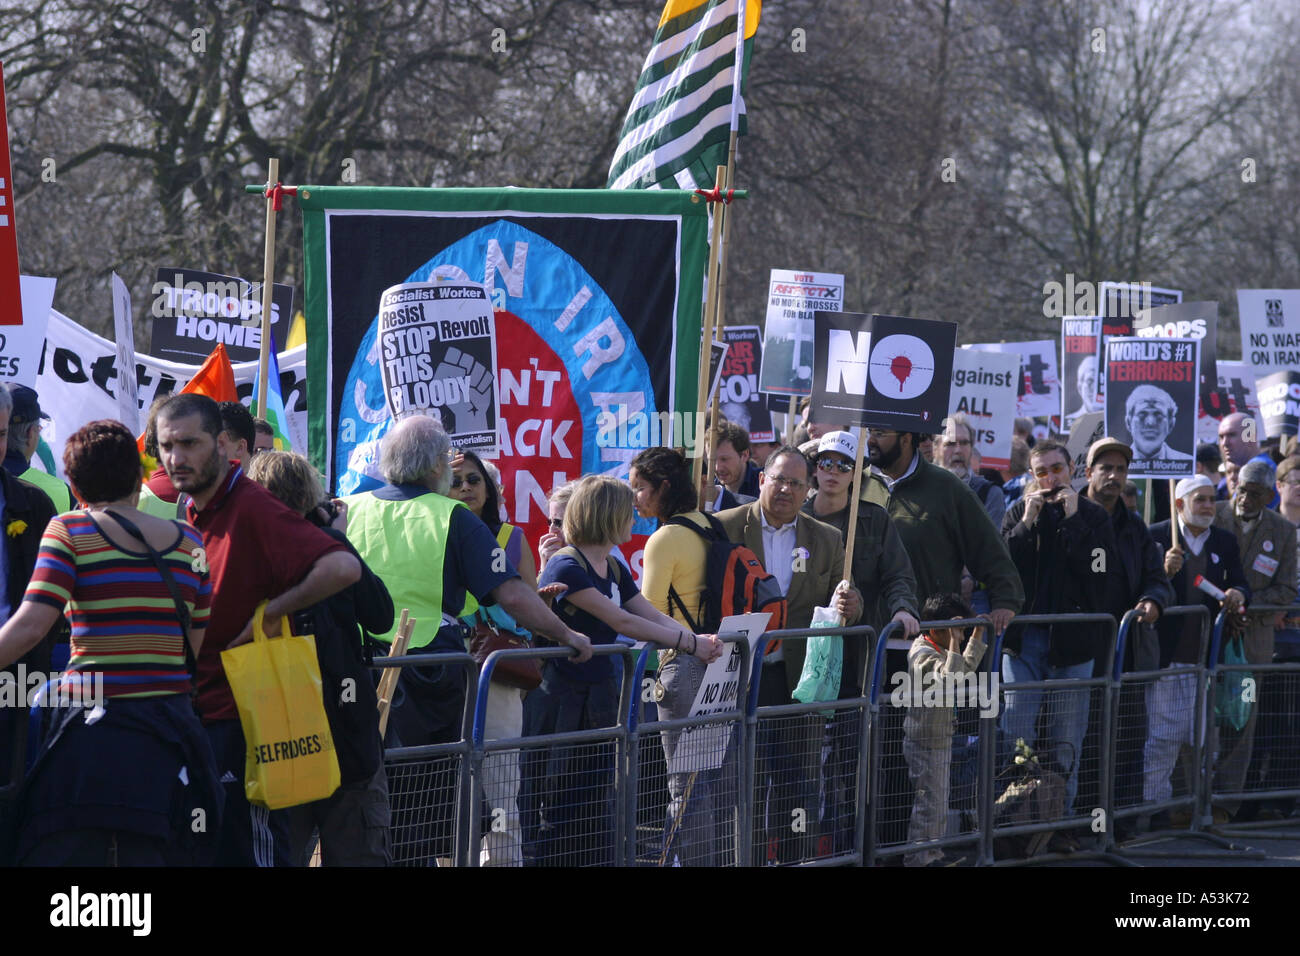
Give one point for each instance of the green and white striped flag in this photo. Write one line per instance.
(688, 98)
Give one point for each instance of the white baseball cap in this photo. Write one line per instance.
(843, 442)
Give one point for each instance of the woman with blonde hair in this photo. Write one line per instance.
(600, 601)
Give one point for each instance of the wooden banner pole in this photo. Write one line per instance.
(853, 509)
(1173, 513)
(388, 682)
(268, 278)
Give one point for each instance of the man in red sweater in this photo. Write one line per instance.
(257, 550)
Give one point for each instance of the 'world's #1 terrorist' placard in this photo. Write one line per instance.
(1151, 401)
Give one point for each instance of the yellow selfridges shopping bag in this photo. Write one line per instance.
(277, 687)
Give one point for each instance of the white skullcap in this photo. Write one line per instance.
(1188, 485)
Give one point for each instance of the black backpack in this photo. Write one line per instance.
(351, 705)
(734, 582)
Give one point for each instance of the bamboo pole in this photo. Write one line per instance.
(853, 509)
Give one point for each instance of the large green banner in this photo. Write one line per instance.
(596, 296)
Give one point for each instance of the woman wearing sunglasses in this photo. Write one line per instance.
(881, 569)
(471, 483)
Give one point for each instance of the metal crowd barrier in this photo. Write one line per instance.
(921, 767)
(1258, 762)
(1157, 714)
(705, 820)
(804, 767)
(428, 784)
(842, 782)
(554, 799)
(1066, 768)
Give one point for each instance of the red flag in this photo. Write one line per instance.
(215, 379)
(11, 306)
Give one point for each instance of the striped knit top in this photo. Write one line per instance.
(124, 622)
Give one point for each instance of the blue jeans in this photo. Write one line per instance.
(1067, 710)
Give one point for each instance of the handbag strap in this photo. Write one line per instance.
(173, 589)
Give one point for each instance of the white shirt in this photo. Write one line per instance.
(778, 560)
(890, 482)
(1194, 538)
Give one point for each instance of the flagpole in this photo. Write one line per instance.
(268, 274)
(717, 295)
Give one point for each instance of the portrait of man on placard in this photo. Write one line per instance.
(1150, 414)
(1085, 378)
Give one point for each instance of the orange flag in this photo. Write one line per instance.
(215, 379)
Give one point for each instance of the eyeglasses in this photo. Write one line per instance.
(794, 484)
(1056, 468)
(843, 467)
(472, 480)
(882, 433)
(1291, 480)
(963, 442)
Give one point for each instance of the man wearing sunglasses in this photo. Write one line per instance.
(1268, 557)
(881, 569)
(1064, 548)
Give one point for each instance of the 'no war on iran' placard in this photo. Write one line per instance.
(884, 371)
(437, 351)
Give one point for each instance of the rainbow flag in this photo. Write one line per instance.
(274, 411)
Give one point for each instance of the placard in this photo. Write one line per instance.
(128, 392)
(20, 345)
(984, 386)
(883, 371)
(1270, 328)
(1078, 367)
(705, 747)
(1151, 387)
(1039, 390)
(739, 399)
(1120, 304)
(1192, 320)
(793, 297)
(437, 351)
(1279, 402)
(193, 311)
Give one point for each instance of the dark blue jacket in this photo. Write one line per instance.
(1222, 569)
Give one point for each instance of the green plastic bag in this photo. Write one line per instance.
(1231, 709)
(823, 662)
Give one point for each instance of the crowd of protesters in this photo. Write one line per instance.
(138, 575)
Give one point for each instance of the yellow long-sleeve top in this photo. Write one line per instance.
(675, 556)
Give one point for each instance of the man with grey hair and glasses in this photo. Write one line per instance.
(431, 551)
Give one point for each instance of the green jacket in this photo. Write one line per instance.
(53, 486)
(944, 528)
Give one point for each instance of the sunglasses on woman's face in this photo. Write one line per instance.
(843, 467)
(472, 480)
